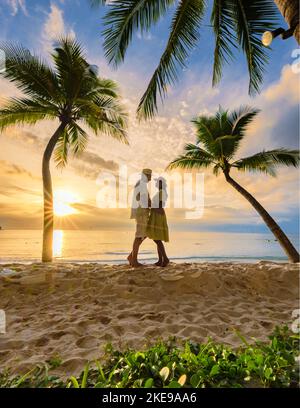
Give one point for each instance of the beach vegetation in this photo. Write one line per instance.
(175, 364)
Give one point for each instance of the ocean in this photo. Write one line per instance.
(114, 246)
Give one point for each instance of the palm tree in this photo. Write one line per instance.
(218, 138)
(236, 24)
(71, 92)
(290, 11)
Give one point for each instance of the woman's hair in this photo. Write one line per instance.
(162, 183)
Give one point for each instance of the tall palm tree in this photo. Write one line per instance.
(236, 24)
(290, 11)
(71, 92)
(218, 139)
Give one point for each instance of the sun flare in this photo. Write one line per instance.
(63, 201)
(58, 239)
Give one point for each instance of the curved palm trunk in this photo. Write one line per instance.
(48, 196)
(283, 240)
(290, 12)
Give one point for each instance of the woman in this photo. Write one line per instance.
(157, 228)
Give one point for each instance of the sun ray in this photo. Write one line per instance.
(62, 204)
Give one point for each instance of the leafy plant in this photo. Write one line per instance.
(175, 365)
(55, 361)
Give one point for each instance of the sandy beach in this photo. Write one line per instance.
(73, 310)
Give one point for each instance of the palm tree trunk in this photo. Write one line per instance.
(48, 196)
(290, 12)
(283, 240)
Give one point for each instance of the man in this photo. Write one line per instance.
(140, 209)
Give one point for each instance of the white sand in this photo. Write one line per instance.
(73, 310)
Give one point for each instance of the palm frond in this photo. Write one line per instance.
(216, 169)
(78, 138)
(225, 39)
(183, 38)
(194, 157)
(97, 3)
(19, 111)
(123, 18)
(222, 133)
(72, 69)
(251, 19)
(104, 115)
(62, 149)
(241, 118)
(30, 74)
(106, 87)
(185, 162)
(234, 126)
(193, 150)
(267, 161)
(207, 131)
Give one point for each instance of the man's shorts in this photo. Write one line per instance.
(141, 225)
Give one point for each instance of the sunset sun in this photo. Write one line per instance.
(62, 203)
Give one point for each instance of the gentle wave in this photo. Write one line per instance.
(126, 252)
(190, 259)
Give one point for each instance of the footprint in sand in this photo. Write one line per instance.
(171, 277)
(119, 330)
(105, 320)
(87, 342)
(196, 274)
(42, 341)
(72, 365)
(56, 335)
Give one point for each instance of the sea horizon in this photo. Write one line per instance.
(110, 247)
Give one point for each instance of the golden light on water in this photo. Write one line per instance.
(58, 240)
(62, 203)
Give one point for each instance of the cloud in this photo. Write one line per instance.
(89, 165)
(144, 36)
(277, 125)
(154, 144)
(94, 160)
(55, 27)
(13, 191)
(7, 90)
(16, 5)
(286, 132)
(13, 169)
(286, 89)
(25, 136)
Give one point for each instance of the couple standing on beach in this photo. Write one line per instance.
(150, 217)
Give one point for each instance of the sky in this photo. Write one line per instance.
(36, 24)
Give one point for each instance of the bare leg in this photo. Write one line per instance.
(132, 258)
(160, 256)
(129, 257)
(162, 251)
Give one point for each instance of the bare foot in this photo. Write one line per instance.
(158, 263)
(136, 264)
(165, 262)
(129, 258)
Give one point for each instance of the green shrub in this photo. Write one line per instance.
(169, 364)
